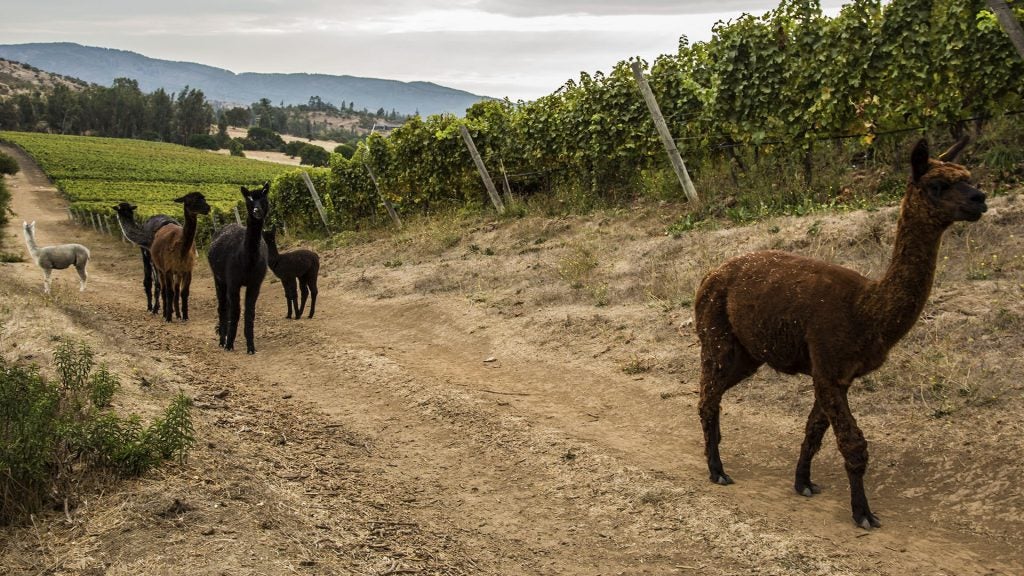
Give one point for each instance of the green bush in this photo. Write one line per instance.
(293, 148)
(346, 150)
(5, 202)
(53, 434)
(313, 155)
(237, 147)
(8, 165)
(203, 142)
(264, 139)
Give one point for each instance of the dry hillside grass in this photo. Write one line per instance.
(498, 396)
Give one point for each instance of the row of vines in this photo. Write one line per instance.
(98, 173)
(764, 86)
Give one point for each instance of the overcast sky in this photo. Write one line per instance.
(521, 49)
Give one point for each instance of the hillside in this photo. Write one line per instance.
(18, 78)
(103, 65)
(518, 396)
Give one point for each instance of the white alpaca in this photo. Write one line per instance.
(57, 257)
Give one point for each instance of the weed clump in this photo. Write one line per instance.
(55, 434)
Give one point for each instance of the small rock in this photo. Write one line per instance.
(490, 359)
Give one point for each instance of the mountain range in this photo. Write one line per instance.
(103, 65)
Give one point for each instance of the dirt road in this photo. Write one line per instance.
(407, 432)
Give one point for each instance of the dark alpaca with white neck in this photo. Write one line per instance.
(805, 316)
(238, 257)
(142, 236)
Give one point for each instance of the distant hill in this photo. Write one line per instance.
(18, 78)
(103, 65)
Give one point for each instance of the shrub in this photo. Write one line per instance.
(293, 148)
(8, 165)
(314, 155)
(237, 147)
(53, 434)
(5, 201)
(346, 150)
(203, 142)
(264, 139)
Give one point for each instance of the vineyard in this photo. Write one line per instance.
(772, 111)
(784, 113)
(97, 173)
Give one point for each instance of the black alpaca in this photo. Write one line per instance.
(298, 266)
(142, 236)
(238, 257)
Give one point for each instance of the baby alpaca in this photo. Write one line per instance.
(59, 257)
(300, 266)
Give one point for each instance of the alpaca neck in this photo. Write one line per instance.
(129, 228)
(895, 302)
(253, 236)
(272, 253)
(33, 248)
(188, 235)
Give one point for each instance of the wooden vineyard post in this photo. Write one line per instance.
(491, 190)
(387, 203)
(238, 217)
(508, 187)
(666, 136)
(1009, 23)
(213, 224)
(316, 200)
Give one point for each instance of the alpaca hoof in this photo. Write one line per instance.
(722, 479)
(808, 490)
(868, 521)
(250, 351)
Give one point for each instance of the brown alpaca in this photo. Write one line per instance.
(174, 255)
(804, 316)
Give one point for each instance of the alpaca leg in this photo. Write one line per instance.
(287, 299)
(46, 280)
(223, 309)
(312, 296)
(852, 445)
(147, 278)
(167, 289)
(157, 287)
(83, 276)
(724, 363)
(305, 294)
(235, 312)
(817, 425)
(251, 294)
(186, 283)
(177, 295)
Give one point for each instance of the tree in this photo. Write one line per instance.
(238, 116)
(193, 115)
(62, 109)
(160, 115)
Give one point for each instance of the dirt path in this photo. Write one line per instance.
(540, 461)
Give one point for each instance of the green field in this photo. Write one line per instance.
(97, 173)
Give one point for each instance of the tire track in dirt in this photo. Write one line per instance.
(539, 463)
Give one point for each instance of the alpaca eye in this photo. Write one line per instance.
(937, 188)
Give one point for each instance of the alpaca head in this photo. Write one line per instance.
(270, 236)
(125, 210)
(30, 227)
(941, 188)
(257, 205)
(195, 203)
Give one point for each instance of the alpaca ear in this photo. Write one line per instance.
(180, 200)
(955, 149)
(919, 159)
